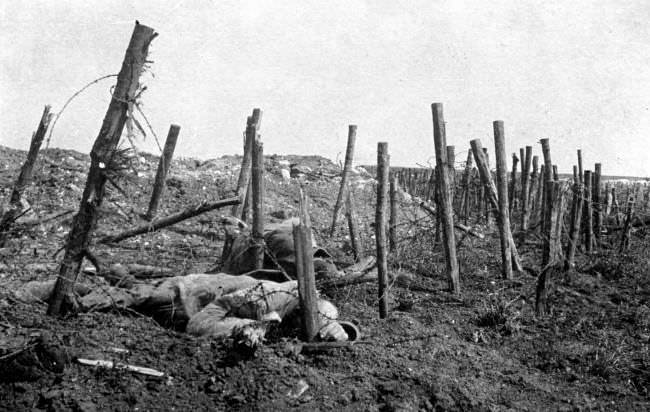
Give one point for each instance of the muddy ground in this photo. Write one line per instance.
(483, 350)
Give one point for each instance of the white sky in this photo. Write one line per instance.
(576, 72)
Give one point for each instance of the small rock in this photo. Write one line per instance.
(85, 406)
(299, 388)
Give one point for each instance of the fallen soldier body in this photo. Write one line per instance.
(201, 304)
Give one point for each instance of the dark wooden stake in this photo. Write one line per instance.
(445, 208)
(163, 167)
(552, 247)
(349, 154)
(305, 272)
(243, 183)
(451, 169)
(548, 177)
(492, 198)
(380, 226)
(25, 176)
(392, 223)
(257, 192)
(580, 171)
(576, 217)
(532, 192)
(101, 157)
(598, 221)
(588, 213)
(502, 189)
(465, 207)
(525, 206)
(486, 203)
(512, 191)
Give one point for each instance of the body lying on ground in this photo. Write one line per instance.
(201, 304)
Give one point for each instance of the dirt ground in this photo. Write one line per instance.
(481, 351)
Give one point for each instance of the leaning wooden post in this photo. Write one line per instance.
(163, 167)
(445, 210)
(392, 223)
(598, 221)
(165, 221)
(257, 197)
(525, 207)
(502, 188)
(351, 217)
(15, 205)
(588, 213)
(492, 198)
(380, 226)
(305, 272)
(243, 183)
(349, 154)
(513, 183)
(576, 217)
(101, 157)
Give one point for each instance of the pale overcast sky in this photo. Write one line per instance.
(577, 72)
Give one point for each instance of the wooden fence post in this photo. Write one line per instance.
(451, 170)
(492, 198)
(163, 168)
(305, 272)
(552, 247)
(445, 208)
(532, 191)
(464, 201)
(253, 123)
(522, 163)
(525, 206)
(576, 217)
(502, 187)
(548, 177)
(392, 224)
(580, 171)
(486, 205)
(349, 154)
(257, 197)
(101, 157)
(513, 184)
(15, 204)
(383, 169)
(588, 213)
(597, 203)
